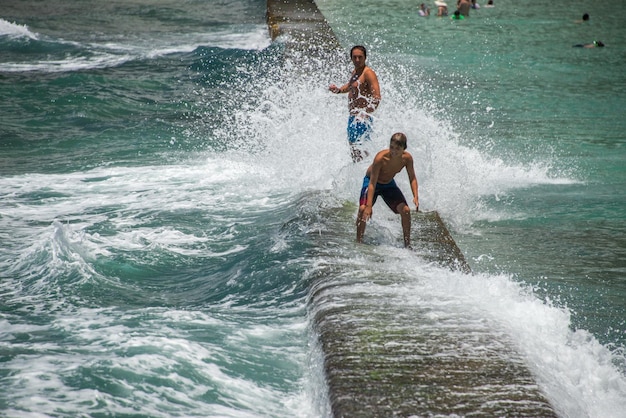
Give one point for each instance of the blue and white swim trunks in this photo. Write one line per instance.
(359, 129)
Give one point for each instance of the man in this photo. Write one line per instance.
(442, 8)
(379, 181)
(363, 98)
(463, 6)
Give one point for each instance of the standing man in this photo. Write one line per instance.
(379, 181)
(442, 8)
(363, 99)
(463, 6)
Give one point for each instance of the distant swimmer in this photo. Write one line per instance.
(594, 44)
(363, 99)
(463, 6)
(424, 11)
(490, 4)
(457, 15)
(379, 180)
(584, 19)
(442, 8)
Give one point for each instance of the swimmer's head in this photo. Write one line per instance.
(586, 16)
(398, 139)
(359, 47)
(598, 43)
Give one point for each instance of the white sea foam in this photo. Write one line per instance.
(76, 63)
(572, 367)
(78, 200)
(577, 373)
(162, 373)
(16, 30)
(111, 54)
(454, 177)
(248, 38)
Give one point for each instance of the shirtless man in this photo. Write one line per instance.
(463, 6)
(379, 181)
(363, 98)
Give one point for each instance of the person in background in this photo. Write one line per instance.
(594, 44)
(490, 4)
(423, 11)
(475, 5)
(363, 99)
(457, 16)
(463, 6)
(379, 180)
(442, 8)
(584, 19)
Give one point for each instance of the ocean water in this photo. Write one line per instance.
(168, 188)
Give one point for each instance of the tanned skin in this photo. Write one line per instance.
(387, 163)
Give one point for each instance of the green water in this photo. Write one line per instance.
(164, 186)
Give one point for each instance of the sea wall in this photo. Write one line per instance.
(302, 26)
(386, 358)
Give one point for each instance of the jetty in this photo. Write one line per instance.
(386, 358)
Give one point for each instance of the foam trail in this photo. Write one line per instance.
(80, 56)
(15, 30)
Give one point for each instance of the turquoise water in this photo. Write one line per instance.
(162, 177)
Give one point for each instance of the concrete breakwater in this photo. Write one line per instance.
(384, 356)
(303, 26)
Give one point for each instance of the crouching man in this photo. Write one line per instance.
(379, 180)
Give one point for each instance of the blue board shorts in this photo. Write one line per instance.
(359, 130)
(391, 193)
